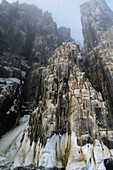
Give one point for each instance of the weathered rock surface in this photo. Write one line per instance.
(97, 21)
(70, 127)
(28, 38)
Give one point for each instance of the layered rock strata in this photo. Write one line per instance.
(70, 127)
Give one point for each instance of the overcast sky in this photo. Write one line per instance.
(65, 13)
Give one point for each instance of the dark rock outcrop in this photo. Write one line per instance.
(32, 85)
(32, 167)
(9, 103)
(64, 35)
(12, 72)
(108, 164)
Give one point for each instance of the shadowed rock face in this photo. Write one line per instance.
(97, 22)
(64, 35)
(28, 38)
(108, 164)
(34, 168)
(25, 30)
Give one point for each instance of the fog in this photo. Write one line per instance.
(65, 13)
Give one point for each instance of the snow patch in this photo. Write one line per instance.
(7, 68)
(23, 73)
(9, 80)
(9, 138)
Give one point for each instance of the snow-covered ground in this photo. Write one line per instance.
(22, 154)
(9, 138)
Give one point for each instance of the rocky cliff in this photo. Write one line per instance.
(69, 95)
(71, 127)
(28, 38)
(97, 21)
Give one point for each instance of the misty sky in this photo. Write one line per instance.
(65, 13)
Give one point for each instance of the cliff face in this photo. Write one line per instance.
(28, 38)
(69, 95)
(25, 31)
(70, 128)
(97, 21)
